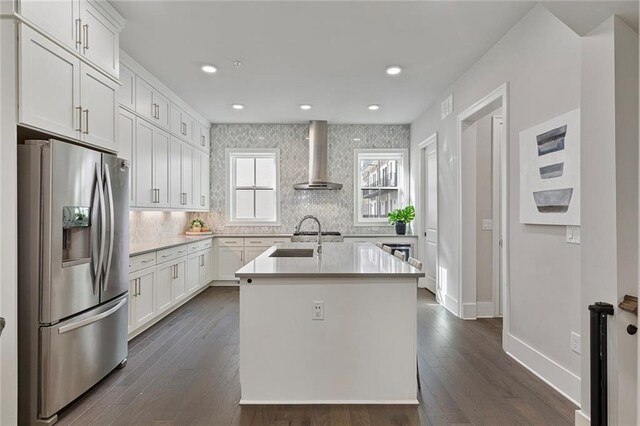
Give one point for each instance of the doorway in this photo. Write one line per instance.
(479, 219)
(429, 209)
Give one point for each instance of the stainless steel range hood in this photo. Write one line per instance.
(318, 159)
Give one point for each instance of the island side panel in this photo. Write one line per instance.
(364, 351)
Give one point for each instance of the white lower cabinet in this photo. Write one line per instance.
(193, 272)
(232, 254)
(179, 283)
(142, 306)
(164, 280)
(251, 253)
(230, 259)
(206, 268)
(160, 288)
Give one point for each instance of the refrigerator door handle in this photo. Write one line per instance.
(97, 267)
(90, 320)
(107, 181)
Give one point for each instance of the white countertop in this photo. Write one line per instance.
(149, 246)
(337, 260)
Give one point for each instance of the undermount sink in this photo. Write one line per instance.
(292, 252)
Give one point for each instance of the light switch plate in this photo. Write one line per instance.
(487, 224)
(573, 234)
(575, 342)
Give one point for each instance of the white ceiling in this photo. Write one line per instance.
(328, 54)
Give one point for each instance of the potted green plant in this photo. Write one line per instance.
(196, 225)
(401, 217)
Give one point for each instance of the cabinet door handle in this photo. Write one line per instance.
(202, 200)
(147, 261)
(242, 256)
(86, 122)
(85, 27)
(78, 31)
(79, 108)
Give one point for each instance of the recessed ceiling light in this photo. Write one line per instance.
(374, 107)
(305, 106)
(237, 106)
(356, 139)
(209, 69)
(394, 70)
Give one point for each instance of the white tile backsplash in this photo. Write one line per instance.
(156, 225)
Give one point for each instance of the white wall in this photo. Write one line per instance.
(609, 165)
(540, 60)
(8, 221)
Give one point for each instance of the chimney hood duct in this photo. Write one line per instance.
(318, 159)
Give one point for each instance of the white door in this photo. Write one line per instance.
(126, 145)
(193, 272)
(144, 99)
(497, 132)
(205, 268)
(143, 167)
(251, 253)
(175, 173)
(204, 137)
(162, 109)
(133, 289)
(230, 259)
(196, 181)
(99, 100)
(161, 142)
(57, 18)
(179, 284)
(431, 216)
(144, 297)
(204, 181)
(187, 176)
(49, 85)
(127, 91)
(164, 282)
(100, 38)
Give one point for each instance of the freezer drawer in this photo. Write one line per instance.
(77, 353)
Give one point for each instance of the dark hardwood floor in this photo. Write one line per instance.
(184, 370)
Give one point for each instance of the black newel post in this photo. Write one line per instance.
(598, 353)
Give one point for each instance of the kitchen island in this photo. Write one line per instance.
(335, 328)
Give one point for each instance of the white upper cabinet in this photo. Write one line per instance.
(204, 141)
(160, 161)
(196, 164)
(58, 18)
(127, 91)
(143, 170)
(126, 146)
(151, 104)
(89, 27)
(99, 108)
(100, 36)
(49, 85)
(175, 171)
(182, 124)
(204, 181)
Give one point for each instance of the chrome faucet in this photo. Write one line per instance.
(319, 249)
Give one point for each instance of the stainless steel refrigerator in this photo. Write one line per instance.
(73, 258)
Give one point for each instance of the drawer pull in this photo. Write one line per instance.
(147, 261)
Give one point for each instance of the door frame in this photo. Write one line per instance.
(495, 213)
(488, 103)
(423, 146)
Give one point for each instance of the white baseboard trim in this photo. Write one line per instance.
(451, 304)
(549, 371)
(485, 310)
(229, 283)
(331, 401)
(469, 311)
(582, 419)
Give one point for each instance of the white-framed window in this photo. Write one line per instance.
(253, 186)
(381, 177)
